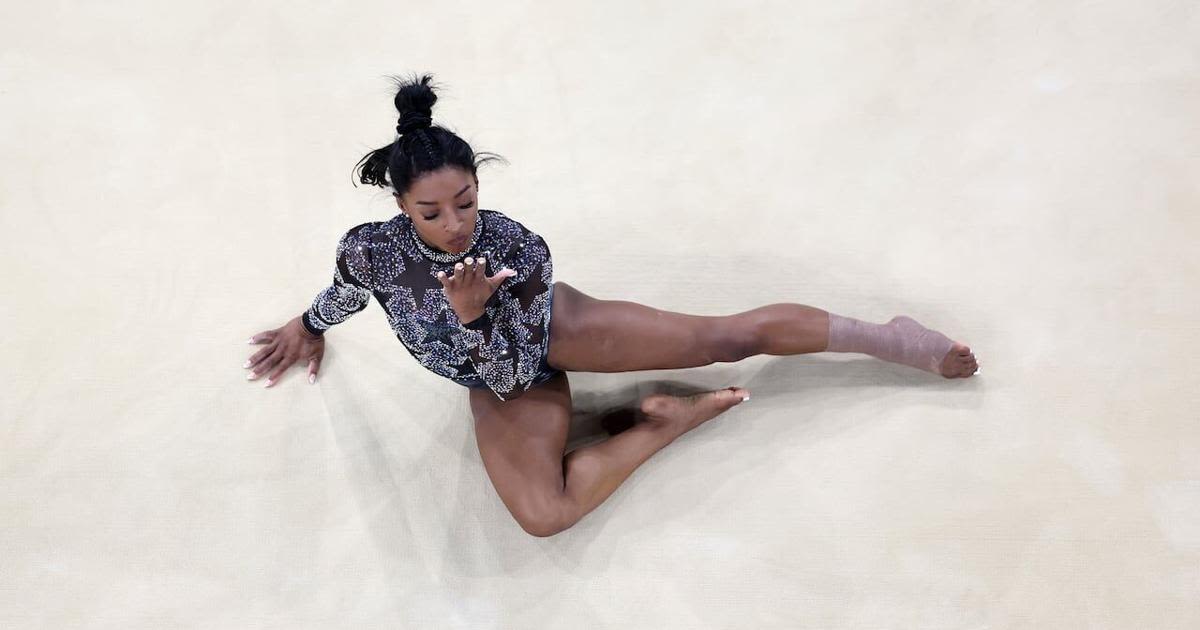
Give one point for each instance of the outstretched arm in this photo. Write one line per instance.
(352, 285)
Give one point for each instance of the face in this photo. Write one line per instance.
(443, 206)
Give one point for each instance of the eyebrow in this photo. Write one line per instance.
(434, 203)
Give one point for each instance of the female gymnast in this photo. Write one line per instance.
(470, 293)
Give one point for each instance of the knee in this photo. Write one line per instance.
(541, 521)
(542, 530)
(736, 338)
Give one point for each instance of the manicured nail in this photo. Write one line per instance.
(745, 398)
(268, 383)
(246, 364)
(251, 376)
(312, 378)
(250, 340)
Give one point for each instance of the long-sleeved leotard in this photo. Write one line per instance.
(503, 347)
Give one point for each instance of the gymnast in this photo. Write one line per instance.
(470, 293)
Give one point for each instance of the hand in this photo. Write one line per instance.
(286, 345)
(470, 288)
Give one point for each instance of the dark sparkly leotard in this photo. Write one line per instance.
(504, 350)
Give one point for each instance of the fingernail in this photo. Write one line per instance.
(250, 376)
(268, 383)
(250, 340)
(745, 398)
(312, 378)
(246, 364)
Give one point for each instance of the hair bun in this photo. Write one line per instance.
(412, 121)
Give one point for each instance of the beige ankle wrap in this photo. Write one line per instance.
(901, 340)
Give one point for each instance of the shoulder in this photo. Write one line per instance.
(360, 235)
(507, 228)
(363, 231)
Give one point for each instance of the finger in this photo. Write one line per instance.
(266, 364)
(441, 276)
(502, 275)
(314, 364)
(258, 356)
(472, 270)
(262, 337)
(283, 366)
(458, 271)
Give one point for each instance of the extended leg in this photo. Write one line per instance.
(785, 329)
(591, 335)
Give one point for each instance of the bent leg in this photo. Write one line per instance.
(522, 442)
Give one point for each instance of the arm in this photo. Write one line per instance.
(507, 342)
(351, 288)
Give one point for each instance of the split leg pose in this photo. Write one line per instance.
(522, 441)
(432, 173)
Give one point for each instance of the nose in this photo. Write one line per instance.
(457, 229)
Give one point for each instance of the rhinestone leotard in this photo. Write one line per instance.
(504, 348)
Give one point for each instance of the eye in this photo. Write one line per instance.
(460, 207)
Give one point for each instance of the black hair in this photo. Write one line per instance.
(420, 146)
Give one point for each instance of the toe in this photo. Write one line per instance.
(735, 394)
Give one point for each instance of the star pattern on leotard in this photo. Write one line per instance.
(420, 281)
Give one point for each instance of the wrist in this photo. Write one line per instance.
(476, 322)
(308, 332)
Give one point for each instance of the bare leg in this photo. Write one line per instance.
(785, 329)
(594, 472)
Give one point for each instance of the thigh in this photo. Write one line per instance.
(591, 335)
(522, 442)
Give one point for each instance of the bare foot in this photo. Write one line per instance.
(680, 414)
(959, 362)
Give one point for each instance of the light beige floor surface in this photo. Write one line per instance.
(1024, 177)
